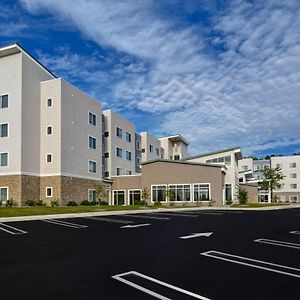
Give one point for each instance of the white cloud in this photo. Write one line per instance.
(247, 94)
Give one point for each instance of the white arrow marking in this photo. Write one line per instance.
(194, 235)
(295, 232)
(135, 226)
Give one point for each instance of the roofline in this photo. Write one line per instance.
(6, 47)
(212, 153)
(182, 162)
(176, 135)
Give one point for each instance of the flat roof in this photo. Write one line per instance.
(182, 162)
(16, 48)
(175, 138)
(215, 152)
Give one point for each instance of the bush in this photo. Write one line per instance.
(40, 203)
(72, 203)
(141, 202)
(10, 203)
(228, 202)
(94, 202)
(54, 203)
(30, 202)
(157, 203)
(85, 202)
(103, 202)
(242, 195)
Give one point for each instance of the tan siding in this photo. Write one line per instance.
(252, 192)
(127, 182)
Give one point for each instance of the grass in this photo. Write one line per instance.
(46, 210)
(254, 205)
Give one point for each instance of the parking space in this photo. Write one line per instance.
(163, 255)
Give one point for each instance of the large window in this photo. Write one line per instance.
(128, 155)
(119, 197)
(92, 166)
(3, 130)
(3, 159)
(134, 196)
(179, 192)
(158, 193)
(119, 132)
(3, 194)
(128, 137)
(92, 142)
(4, 101)
(228, 192)
(220, 160)
(92, 195)
(92, 119)
(201, 192)
(119, 152)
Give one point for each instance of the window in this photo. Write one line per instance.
(228, 160)
(92, 142)
(151, 148)
(179, 192)
(128, 155)
(293, 185)
(106, 154)
(138, 145)
(92, 119)
(49, 191)
(3, 159)
(293, 175)
(220, 160)
(157, 151)
(119, 171)
(279, 166)
(256, 167)
(134, 196)
(91, 195)
(119, 197)
(177, 157)
(106, 174)
(106, 134)
(3, 130)
(49, 130)
(143, 150)
(4, 101)
(293, 165)
(244, 168)
(128, 137)
(138, 161)
(128, 172)
(49, 102)
(293, 198)
(119, 132)
(49, 158)
(92, 166)
(228, 192)
(266, 166)
(241, 179)
(158, 193)
(119, 152)
(3, 194)
(201, 192)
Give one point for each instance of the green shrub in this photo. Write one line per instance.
(40, 203)
(54, 203)
(10, 203)
(228, 202)
(242, 195)
(157, 203)
(140, 202)
(103, 202)
(85, 202)
(72, 203)
(29, 202)
(94, 202)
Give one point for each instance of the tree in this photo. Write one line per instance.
(145, 194)
(170, 194)
(242, 195)
(100, 191)
(272, 178)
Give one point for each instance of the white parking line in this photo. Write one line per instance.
(11, 230)
(136, 225)
(254, 263)
(119, 277)
(147, 217)
(64, 223)
(278, 243)
(110, 220)
(295, 232)
(177, 215)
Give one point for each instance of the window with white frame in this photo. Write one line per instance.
(92, 119)
(91, 195)
(220, 160)
(138, 161)
(128, 155)
(92, 142)
(128, 137)
(244, 168)
(280, 198)
(4, 159)
(3, 194)
(49, 130)
(228, 192)
(119, 132)
(293, 186)
(4, 130)
(293, 175)
(49, 158)
(92, 166)
(293, 198)
(119, 171)
(177, 157)
(119, 197)
(151, 148)
(293, 165)
(158, 193)
(49, 191)
(3, 101)
(49, 102)
(119, 152)
(256, 167)
(179, 192)
(134, 196)
(138, 145)
(201, 192)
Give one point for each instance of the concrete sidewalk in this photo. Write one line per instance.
(141, 211)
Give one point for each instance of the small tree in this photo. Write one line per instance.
(145, 194)
(272, 178)
(242, 195)
(100, 191)
(170, 194)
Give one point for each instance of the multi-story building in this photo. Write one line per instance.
(120, 145)
(175, 147)
(151, 147)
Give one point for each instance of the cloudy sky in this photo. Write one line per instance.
(221, 73)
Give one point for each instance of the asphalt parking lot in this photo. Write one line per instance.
(180, 255)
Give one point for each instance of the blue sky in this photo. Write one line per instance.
(221, 73)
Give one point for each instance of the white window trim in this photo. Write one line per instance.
(117, 132)
(117, 153)
(90, 136)
(51, 129)
(89, 118)
(89, 190)
(293, 196)
(7, 160)
(283, 196)
(191, 190)
(165, 185)
(126, 155)
(51, 102)
(49, 162)
(113, 194)
(90, 160)
(117, 171)
(132, 190)
(51, 188)
(126, 132)
(5, 123)
(5, 187)
(8, 96)
(209, 191)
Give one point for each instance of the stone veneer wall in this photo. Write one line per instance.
(13, 182)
